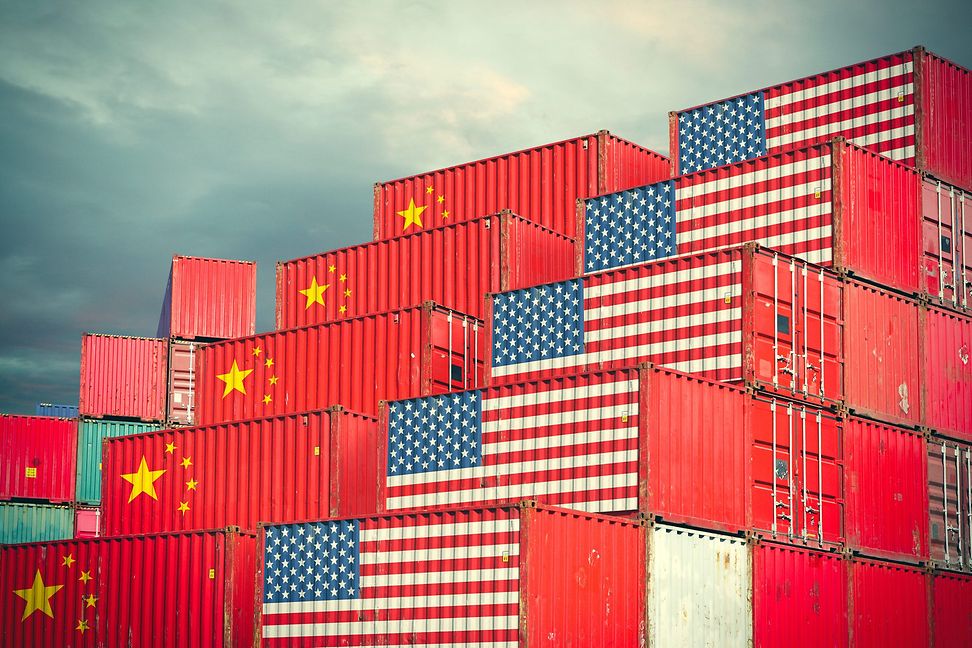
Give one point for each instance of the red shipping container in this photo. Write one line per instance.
(684, 449)
(947, 373)
(799, 597)
(455, 266)
(354, 362)
(180, 406)
(298, 467)
(515, 575)
(888, 605)
(946, 244)
(542, 184)
(951, 609)
(39, 458)
(950, 503)
(173, 590)
(123, 377)
(834, 204)
(886, 495)
(913, 106)
(209, 299)
(87, 522)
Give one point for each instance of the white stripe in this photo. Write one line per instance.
(731, 361)
(439, 577)
(900, 153)
(668, 324)
(669, 300)
(435, 554)
(759, 173)
(845, 104)
(835, 128)
(401, 602)
(433, 530)
(560, 395)
(558, 418)
(745, 225)
(474, 644)
(456, 624)
(658, 279)
(834, 86)
(823, 255)
(725, 208)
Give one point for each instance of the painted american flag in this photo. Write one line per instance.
(434, 579)
(681, 313)
(871, 104)
(487, 446)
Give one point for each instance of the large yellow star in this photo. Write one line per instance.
(234, 379)
(314, 293)
(412, 215)
(143, 481)
(38, 597)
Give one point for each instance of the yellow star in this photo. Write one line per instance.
(90, 600)
(234, 379)
(38, 597)
(191, 484)
(273, 380)
(343, 309)
(82, 625)
(331, 268)
(68, 561)
(314, 293)
(186, 462)
(85, 577)
(412, 215)
(343, 278)
(257, 351)
(269, 362)
(170, 448)
(266, 399)
(347, 292)
(183, 507)
(429, 190)
(143, 480)
(445, 214)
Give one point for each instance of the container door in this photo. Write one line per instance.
(950, 503)
(797, 473)
(946, 244)
(182, 371)
(457, 349)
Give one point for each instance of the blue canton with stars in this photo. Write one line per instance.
(629, 227)
(316, 561)
(538, 323)
(721, 133)
(435, 433)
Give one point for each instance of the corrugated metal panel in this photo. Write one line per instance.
(886, 495)
(947, 372)
(180, 408)
(354, 363)
(799, 597)
(950, 503)
(28, 522)
(240, 474)
(946, 244)
(123, 377)
(882, 368)
(209, 299)
(542, 184)
(951, 610)
(503, 576)
(91, 432)
(174, 590)
(945, 118)
(87, 523)
(889, 605)
(455, 266)
(699, 589)
(37, 458)
(57, 411)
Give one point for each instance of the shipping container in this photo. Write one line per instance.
(515, 575)
(951, 610)
(699, 589)
(87, 522)
(172, 590)
(209, 299)
(37, 458)
(542, 184)
(950, 503)
(888, 605)
(886, 494)
(946, 244)
(298, 467)
(455, 266)
(799, 597)
(57, 411)
(833, 204)
(33, 522)
(91, 432)
(683, 449)
(180, 409)
(123, 377)
(354, 363)
(947, 373)
(914, 106)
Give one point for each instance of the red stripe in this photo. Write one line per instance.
(842, 94)
(384, 639)
(836, 75)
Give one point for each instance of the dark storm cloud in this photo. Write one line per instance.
(131, 131)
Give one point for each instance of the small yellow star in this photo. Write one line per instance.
(269, 362)
(85, 576)
(343, 309)
(273, 380)
(191, 484)
(68, 561)
(331, 268)
(343, 278)
(347, 292)
(183, 507)
(429, 189)
(257, 351)
(82, 626)
(445, 214)
(314, 293)
(441, 199)
(170, 448)
(186, 462)
(266, 399)
(234, 379)
(412, 215)
(90, 600)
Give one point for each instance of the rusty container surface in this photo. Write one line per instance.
(208, 299)
(454, 265)
(354, 363)
(946, 244)
(38, 458)
(950, 503)
(178, 590)
(946, 370)
(951, 609)
(542, 184)
(888, 605)
(296, 467)
(123, 377)
(180, 406)
(511, 575)
(886, 492)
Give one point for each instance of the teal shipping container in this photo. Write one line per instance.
(26, 522)
(90, 435)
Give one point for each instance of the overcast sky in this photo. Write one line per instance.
(130, 131)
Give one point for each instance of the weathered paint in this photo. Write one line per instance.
(91, 432)
(123, 377)
(209, 299)
(180, 407)
(33, 522)
(37, 458)
(946, 370)
(950, 503)
(946, 244)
